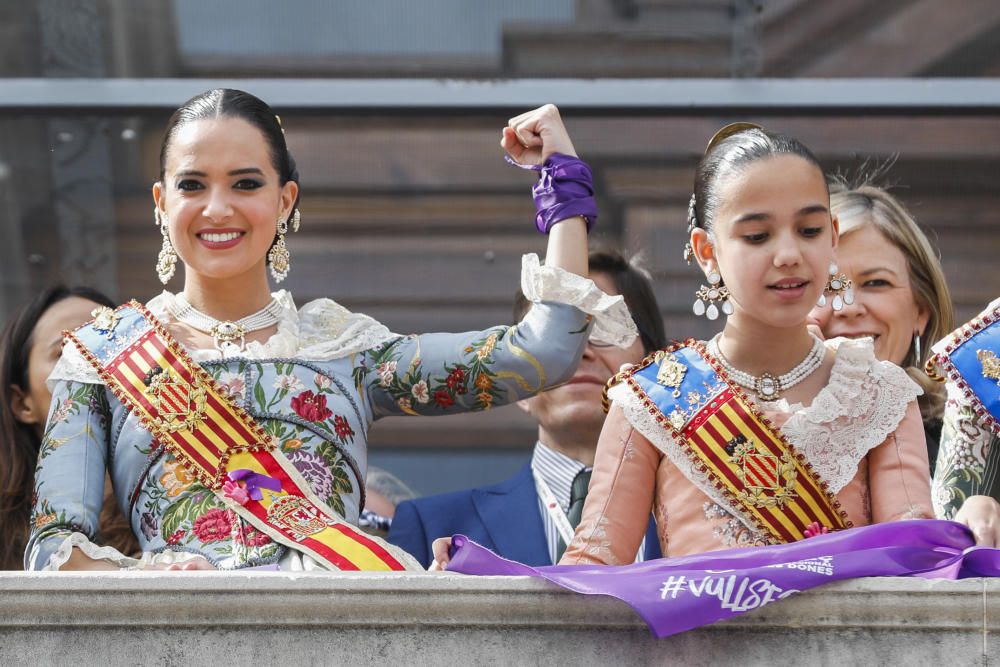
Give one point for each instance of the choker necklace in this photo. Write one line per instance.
(225, 334)
(767, 386)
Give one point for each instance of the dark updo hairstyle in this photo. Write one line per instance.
(230, 103)
(19, 442)
(732, 149)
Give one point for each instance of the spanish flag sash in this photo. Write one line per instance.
(726, 438)
(219, 443)
(970, 358)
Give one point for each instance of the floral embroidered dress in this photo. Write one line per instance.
(862, 433)
(316, 387)
(968, 461)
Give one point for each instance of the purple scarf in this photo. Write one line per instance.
(677, 594)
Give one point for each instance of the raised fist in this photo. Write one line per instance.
(533, 136)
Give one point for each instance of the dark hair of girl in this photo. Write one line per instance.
(727, 155)
(19, 442)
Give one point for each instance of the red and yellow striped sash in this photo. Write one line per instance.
(210, 436)
(748, 460)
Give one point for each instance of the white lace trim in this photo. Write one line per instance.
(864, 401)
(89, 549)
(612, 322)
(862, 404)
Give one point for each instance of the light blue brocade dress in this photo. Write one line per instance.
(316, 387)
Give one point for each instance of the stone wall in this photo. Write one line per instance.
(435, 619)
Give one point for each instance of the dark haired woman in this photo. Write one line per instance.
(29, 348)
(261, 410)
(763, 434)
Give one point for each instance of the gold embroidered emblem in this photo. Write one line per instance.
(677, 419)
(768, 480)
(671, 372)
(105, 321)
(179, 405)
(991, 365)
(297, 516)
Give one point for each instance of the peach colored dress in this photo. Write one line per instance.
(862, 434)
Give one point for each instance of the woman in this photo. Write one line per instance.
(261, 410)
(29, 348)
(901, 299)
(764, 434)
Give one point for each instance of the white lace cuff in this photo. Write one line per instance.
(90, 550)
(612, 322)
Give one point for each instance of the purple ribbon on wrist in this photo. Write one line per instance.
(255, 481)
(565, 189)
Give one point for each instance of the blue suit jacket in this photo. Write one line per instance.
(504, 518)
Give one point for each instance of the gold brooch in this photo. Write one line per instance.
(105, 321)
(671, 372)
(991, 365)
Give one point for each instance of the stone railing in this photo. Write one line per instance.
(256, 619)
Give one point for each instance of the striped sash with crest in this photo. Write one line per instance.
(219, 443)
(726, 438)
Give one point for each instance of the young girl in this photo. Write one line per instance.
(763, 434)
(234, 424)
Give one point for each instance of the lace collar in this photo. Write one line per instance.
(863, 402)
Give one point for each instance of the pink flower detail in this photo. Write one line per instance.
(235, 492)
(814, 529)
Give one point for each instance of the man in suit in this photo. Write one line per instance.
(529, 517)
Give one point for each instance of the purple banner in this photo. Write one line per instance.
(677, 594)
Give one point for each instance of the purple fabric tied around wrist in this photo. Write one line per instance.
(565, 189)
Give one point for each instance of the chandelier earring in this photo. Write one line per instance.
(840, 286)
(709, 295)
(278, 256)
(166, 261)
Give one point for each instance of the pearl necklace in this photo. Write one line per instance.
(767, 386)
(225, 334)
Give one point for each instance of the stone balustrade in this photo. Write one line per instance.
(265, 618)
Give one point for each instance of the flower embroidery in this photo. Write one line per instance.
(342, 428)
(487, 347)
(248, 536)
(292, 445)
(386, 372)
(405, 403)
(176, 479)
(287, 383)
(311, 407)
(147, 524)
(62, 412)
(213, 526)
(315, 470)
(43, 519)
(420, 392)
(483, 382)
(176, 537)
(443, 398)
(233, 384)
(322, 382)
(486, 399)
(456, 381)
